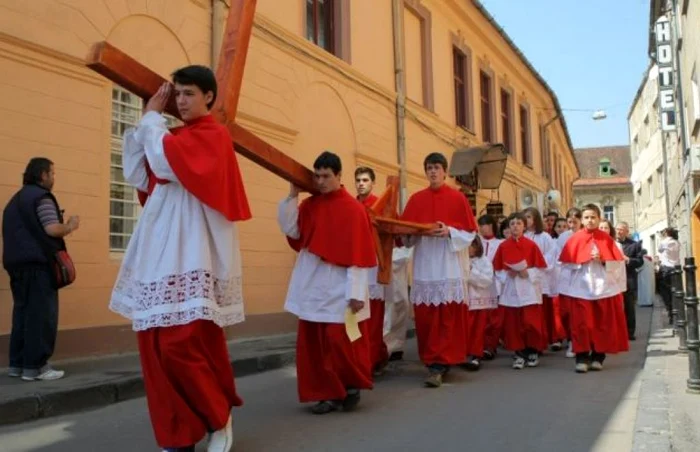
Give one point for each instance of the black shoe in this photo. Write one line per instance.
(396, 356)
(489, 355)
(472, 364)
(351, 400)
(325, 407)
(632, 337)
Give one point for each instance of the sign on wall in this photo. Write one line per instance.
(664, 60)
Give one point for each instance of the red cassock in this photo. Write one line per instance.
(551, 319)
(522, 326)
(187, 370)
(600, 324)
(378, 349)
(336, 228)
(441, 329)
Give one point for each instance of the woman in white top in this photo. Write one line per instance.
(669, 256)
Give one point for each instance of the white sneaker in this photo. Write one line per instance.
(596, 365)
(222, 440)
(47, 375)
(518, 363)
(533, 360)
(570, 351)
(581, 368)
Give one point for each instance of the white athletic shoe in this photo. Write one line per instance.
(222, 440)
(570, 351)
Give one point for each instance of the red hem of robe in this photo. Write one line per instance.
(476, 331)
(551, 320)
(494, 329)
(189, 381)
(522, 328)
(599, 325)
(440, 333)
(328, 364)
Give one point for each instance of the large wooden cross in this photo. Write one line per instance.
(123, 70)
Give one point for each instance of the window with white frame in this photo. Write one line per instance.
(123, 202)
(124, 207)
(609, 213)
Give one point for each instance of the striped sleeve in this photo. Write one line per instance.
(47, 213)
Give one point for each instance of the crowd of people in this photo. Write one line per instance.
(525, 284)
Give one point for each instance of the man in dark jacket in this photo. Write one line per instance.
(32, 231)
(634, 258)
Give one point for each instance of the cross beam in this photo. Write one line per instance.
(123, 70)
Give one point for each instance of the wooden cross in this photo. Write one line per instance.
(123, 70)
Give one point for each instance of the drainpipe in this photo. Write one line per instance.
(397, 29)
(218, 12)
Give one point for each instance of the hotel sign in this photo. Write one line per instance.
(664, 60)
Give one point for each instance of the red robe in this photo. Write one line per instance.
(598, 325)
(441, 329)
(336, 228)
(522, 326)
(201, 155)
(187, 373)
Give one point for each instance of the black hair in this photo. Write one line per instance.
(35, 168)
(328, 160)
(670, 232)
(478, 247)
(366, 170)
(516, 216)
(435, 158)
(505, 224)
(489, 219)
(552, 214)
(200, 76)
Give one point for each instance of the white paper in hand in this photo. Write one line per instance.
(518, 266)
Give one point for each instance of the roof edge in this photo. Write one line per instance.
(482, 9)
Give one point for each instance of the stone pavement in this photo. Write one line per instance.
(668, 418)
(96, 382)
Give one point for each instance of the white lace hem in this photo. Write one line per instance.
(477, 304)
(178, 300)
(438, 292)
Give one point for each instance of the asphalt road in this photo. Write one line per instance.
(549, 408)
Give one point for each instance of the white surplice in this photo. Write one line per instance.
(440, 267)
(550, 251)
(481, 285)
(183, 261)
(319, 291)
(593, 280)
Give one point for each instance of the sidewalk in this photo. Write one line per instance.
(668, 418)
(101, 381)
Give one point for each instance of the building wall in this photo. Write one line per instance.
(647, 161)
(295, 95)
(620, 198)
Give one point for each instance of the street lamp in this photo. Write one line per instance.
(599, 114)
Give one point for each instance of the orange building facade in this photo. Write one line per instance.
(319, 75)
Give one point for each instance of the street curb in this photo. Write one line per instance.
(652, 427)
(57, 403)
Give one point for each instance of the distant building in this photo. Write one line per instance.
(646, 149)
(605, 181)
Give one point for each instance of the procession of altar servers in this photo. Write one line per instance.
(487, 307)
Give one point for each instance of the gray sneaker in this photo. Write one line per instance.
(14, 372)
(46, 373)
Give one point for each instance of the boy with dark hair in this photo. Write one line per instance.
(519, 266)
(488, 231)
(190, 184)
(328, 289)
(593, 269)
(440, 270)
